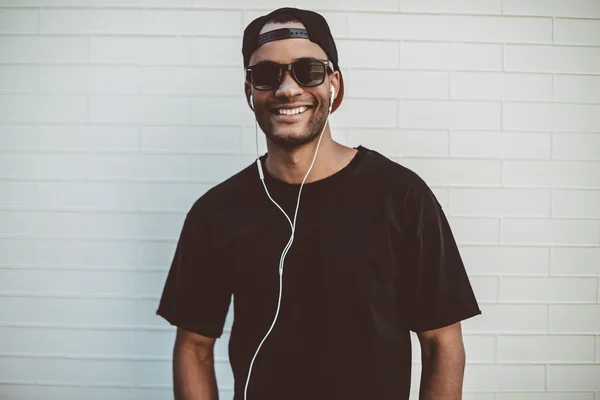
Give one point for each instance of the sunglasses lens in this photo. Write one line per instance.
(309, 72)
(265, 76)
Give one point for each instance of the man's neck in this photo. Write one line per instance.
(291, 166)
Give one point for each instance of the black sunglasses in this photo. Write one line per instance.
(308, 72)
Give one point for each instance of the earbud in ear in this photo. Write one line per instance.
(332, 97)
(251, 102)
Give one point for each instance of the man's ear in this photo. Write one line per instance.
(248, 91)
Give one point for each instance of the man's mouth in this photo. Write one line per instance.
(290, 111)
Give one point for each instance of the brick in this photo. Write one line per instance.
(18, 251)
(550, 232)
(396, 84)
(115, 109)
(218, 168)
(249, 135)
(139, 50)
(157, 254)
(501, 29)
(565, 290)
(367, 54)
(485, 288)
(165, 110)
(399, 26)
(28, 391)
(545, 349)
(144, 3)
(575, 261)
(119, 225)
(42, 108)
(505, 377)
(41, 310)
(528, 116)
(92, 253)
(450, 114)
(105, 372)
(475, 230)
(573, 377)
(114, 80)
(401, 142)
(509, 319)
(41, 166)
(552, 59)
(170, 196)
(575, 8)
(134, 109)
(500, 202)
(18, 195)
(577, 88)
(451, 56)
(576, 203)
(43, 49)
(574, 318)
(441, 195)
(558, 174)
(19, 20)
(545, 396)
(506, 261)
(18, 78)
(505, 145)
(88, 138)
(452, 6)
(16, 369)
(148, 167)
(193, 22)
(204, 51)
(63, 79)
(375, 5)
(449, 172)
(480, 348)
(337, 21)
(382, 114)
(69, 282)
(576, 117)
(576, 146)
(91, 196)
(576, 31)
(196, 81)
(81, 21)
(198, 139)
(500, 86)
(220, 111)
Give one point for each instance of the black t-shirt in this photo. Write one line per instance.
(373, 258)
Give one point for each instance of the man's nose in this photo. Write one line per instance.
(289, 87)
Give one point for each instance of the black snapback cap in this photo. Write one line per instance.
(317, 31)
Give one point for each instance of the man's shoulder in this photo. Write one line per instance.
(393, 172)
(231, 192)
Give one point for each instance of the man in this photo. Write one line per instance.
(325, 295)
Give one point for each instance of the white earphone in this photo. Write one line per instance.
(251, 102)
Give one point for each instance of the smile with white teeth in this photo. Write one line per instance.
(291, 111)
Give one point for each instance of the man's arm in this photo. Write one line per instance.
(443, 361)
(193, 367)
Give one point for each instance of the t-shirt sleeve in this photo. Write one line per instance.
(197, 291)
(440, 293)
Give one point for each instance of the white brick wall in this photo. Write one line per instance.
(115, 115)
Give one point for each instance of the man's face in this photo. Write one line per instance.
(291, 131)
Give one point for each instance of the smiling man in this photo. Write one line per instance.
(332, 254)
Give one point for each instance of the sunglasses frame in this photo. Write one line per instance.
(329, 67)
